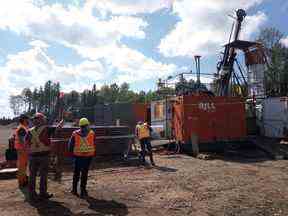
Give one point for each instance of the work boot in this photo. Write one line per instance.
(74, 192)
(33, 196)
(152, 160)
(84, 193)
(46, 196)
(143, 162)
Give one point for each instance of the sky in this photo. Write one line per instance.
(82, 42)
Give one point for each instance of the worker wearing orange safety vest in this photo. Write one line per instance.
(22, 157)
(37, 144)
(143, 134)
(82, 144)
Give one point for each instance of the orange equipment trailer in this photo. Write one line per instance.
(208, 120)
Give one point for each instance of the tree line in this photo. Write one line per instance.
(276, 74)
(6, 121)
(46, 98)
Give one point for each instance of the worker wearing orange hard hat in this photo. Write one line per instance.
(19, 144)
(38, 147)
(143, 131)
(82, 144)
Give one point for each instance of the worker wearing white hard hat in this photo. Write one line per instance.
(38, 147)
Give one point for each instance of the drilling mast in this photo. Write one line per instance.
(226, 65)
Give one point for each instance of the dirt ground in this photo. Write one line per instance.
(180, 185)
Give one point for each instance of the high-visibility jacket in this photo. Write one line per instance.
(39, 140)
(84, 146)
(17, 143)
(143, 131)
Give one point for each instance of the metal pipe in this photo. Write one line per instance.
(197, 61)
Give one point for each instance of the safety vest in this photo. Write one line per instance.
(17, 143)
(38, 145)
(84, 146)
(143, 132)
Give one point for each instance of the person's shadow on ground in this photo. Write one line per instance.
(49, 207)
(101, 207)
(105, 207)
(165, 169)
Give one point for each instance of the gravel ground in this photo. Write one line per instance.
(179, 185)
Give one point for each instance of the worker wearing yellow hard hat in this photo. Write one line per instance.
(82, 144)
(84, 122)
(143, 133)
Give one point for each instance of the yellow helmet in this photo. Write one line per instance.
(84, 122)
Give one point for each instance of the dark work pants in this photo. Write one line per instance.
(146, 144)
(81, 167)
(38, 164)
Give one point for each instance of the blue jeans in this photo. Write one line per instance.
(81, 167)
(146, 144)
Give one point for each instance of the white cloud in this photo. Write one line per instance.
(128, 7)
(33, 67)
(77, 28)
(205, 26)
(69, 26)
(134, 66)
(284, 42)
(93, 38)
(38, 43)
(252, 24)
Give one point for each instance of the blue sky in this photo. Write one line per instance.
(81, 42)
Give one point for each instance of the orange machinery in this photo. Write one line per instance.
(210, 120)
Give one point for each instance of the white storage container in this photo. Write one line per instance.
(256, 80)
(275, 116)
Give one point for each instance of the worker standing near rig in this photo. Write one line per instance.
(143, 133)
(38, 147)
(82, 144)
(22, 157)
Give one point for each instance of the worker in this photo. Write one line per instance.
(82, 145)
(38, 147)
(137, 127)
(143, 132)
(22, 157)
(11, 152)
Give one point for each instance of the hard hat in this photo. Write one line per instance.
(84, 122)
(39, 116)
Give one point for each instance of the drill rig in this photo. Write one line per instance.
(226, 78)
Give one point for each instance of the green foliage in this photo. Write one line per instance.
(276, 76)
(45, 99)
